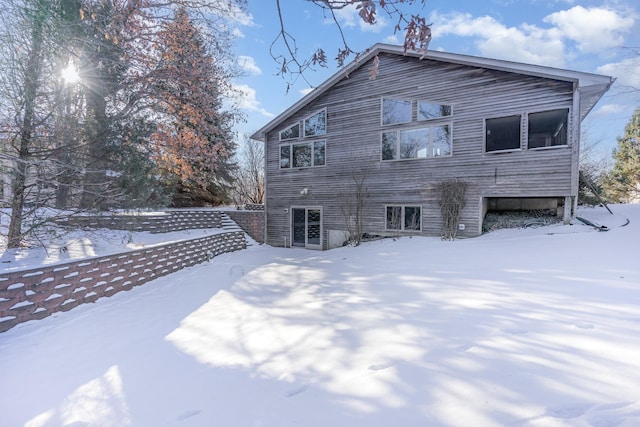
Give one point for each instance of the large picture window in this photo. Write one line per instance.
(548, 128)
(502, 133)
(316, 124)
(395, 111)
(404, 218)
(303, 154)
(431, 141)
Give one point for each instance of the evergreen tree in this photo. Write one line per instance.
(623, 182)
(194, 143)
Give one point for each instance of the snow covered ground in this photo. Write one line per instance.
(530, 327)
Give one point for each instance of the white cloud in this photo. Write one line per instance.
(248, 64)
(578, 29)
(305, 91)
(607, 109)
(237, 33)
(526, 43)
(246, 100)
(627, 73)
(593, 29)
(349, 17)
(392, 39)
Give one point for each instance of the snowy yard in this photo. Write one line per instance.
(529, 327)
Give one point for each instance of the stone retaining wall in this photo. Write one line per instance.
(160, 223)
(38, 293)
(252, 222)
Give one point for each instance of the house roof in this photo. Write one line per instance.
(590, 86)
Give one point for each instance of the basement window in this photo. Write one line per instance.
(502, 133)
(548, 128)
(407, 218)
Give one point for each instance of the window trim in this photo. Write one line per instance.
(402, 217)
(304, 124)
(551, 147)
(286, 129)
(433, 118)
(310, 142)
(506, 150)
(430, 127)
(410, 101)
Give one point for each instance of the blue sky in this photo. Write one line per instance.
(591, 36)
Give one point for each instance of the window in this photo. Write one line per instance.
(395, 111)
(441, 141)
(285, 156)
(316, 124)
(548, 129)
(431, 141)
(430, 110)
(290, 133)
(302, 155)
(502, 133)
(407, 218)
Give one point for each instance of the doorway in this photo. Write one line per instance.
(306, 227)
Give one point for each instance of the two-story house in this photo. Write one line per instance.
(510, 131)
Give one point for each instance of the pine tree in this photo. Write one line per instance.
(194, 143)
(623, 182)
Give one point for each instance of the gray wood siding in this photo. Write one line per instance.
(354, 146)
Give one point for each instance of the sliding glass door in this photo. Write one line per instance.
(306, 227)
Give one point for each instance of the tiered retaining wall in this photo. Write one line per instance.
(38, 293)
(162, 223)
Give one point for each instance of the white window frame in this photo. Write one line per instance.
(402, 218)
(286, 129)
(432, 118)
(567, 133)
(312, 143)
(410, 101)
(304, 124)
(430, 127)
(506, 150)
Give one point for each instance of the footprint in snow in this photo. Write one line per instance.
(188, 414)
(296, 391)
(515, 331)
(584, 325)
(236, 271)
(380, 366)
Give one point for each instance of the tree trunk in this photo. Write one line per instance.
(31, 85)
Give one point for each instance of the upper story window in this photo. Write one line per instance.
(302, 154)
(548, 128)
(502, 133)
(431, 110)
(430, 141)
(395, 111)
(290, 133)
(316, 124)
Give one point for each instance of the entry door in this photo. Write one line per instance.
(306, 227)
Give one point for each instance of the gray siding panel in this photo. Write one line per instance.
(354, 146)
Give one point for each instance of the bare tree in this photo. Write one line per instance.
(594, 166)
(352, 204)
(293, 65)
(249, 175)
(452, 201)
